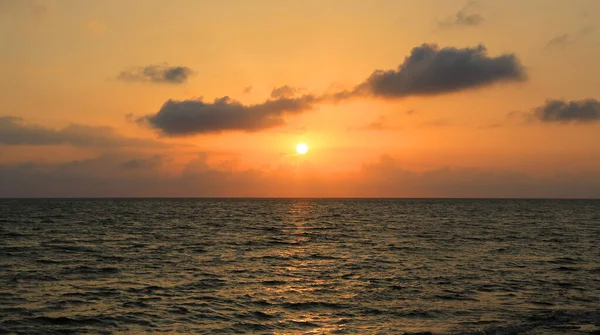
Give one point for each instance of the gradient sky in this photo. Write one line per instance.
(494, 98)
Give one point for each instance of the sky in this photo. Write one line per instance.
(394, 98)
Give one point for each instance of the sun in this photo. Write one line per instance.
(301, 148)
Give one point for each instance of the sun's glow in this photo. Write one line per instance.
(301, 148)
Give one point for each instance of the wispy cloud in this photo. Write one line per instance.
(284, 91)
(381, 124)
(465, 17)
(157, 73)
(563, 40)
(14, 131)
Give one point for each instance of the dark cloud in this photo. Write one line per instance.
(13, 131)
(430, 70)
(97, 177)
(188, 117)
(582, 111)
(106, 176)
(158, 73)
(248, 89)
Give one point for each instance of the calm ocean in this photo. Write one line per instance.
(299, 266)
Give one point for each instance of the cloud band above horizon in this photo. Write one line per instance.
(428, 70)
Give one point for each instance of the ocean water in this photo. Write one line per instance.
(299, 266)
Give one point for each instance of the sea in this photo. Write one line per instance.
(299, 266)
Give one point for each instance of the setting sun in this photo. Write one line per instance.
(301, 148)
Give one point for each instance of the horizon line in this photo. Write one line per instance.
(295, 198)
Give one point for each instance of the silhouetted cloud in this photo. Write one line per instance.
(582, 111)
(157, 73)
(430, 70)
(188, 117)
(13, 131)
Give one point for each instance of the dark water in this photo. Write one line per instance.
(300, 266)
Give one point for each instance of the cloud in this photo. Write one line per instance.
(381, 124)
(559, 41)
(284, 91)
(462, 19)
(519, 116)
(465, 17)
(157, 73)
(490, 126)
(430, 70)
(582, 111)
(188, 117)
(563, 40)
(118, 176)
(13, 131)
(389, 178)
(441, 122)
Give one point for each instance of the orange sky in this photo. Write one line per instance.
(82, 84)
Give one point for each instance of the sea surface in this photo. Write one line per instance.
(299, 266)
